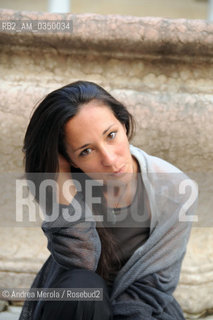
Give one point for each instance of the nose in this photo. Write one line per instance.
(108, 157)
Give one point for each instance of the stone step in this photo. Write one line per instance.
(12, 313)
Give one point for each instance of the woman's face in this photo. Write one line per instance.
(97, 143)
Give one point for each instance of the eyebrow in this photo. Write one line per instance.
(86, 145)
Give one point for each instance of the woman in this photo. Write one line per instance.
(130, 242)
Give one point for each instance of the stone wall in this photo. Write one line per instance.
(163, 71)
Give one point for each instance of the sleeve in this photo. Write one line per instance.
(148, 299)
(73, 242)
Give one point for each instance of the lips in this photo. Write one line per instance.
(119, 172)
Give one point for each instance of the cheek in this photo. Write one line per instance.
(123, 146)
(88, 165)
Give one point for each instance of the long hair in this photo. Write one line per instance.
(45, 139)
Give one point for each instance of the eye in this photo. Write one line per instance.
(85, 152)
(112, 135)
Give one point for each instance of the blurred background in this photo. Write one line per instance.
(189, 9)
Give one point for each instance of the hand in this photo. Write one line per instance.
(66, 187)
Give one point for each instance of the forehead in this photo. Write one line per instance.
(94, 109)
(90, 121)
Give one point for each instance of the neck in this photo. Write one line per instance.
(121, 195)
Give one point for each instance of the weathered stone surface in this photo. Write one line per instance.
(12, 313)
(163, 71)
(3, 305)
(110, 33)
(23, 250)
(195, 290)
